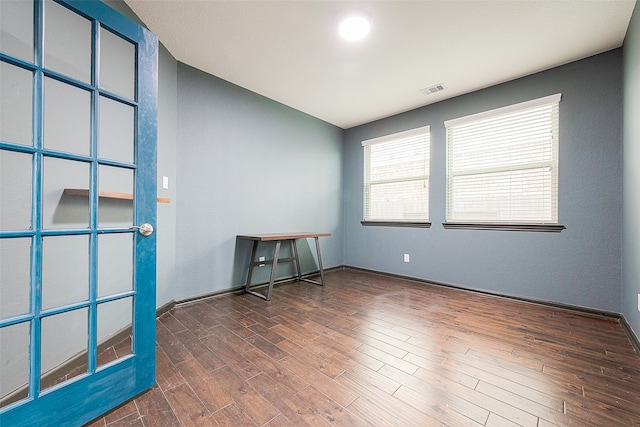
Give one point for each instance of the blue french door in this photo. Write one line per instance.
(78, 111)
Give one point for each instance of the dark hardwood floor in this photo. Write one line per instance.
(369, 350)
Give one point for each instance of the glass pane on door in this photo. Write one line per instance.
(117, 64)
(15, 274)
(67, 117)
(15, 190)
(65, 270)
(60, 363)
(16, 88)
(16, 29)
(14, 362)
(115, 207)
(115, 263)
(67, 42)
(114, 327)
(117, 130)
(62, 208)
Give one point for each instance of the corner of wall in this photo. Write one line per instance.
(631, 176)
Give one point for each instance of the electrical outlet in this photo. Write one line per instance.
(638, 302)
(260, 259)
(165, 182)
(407, 258)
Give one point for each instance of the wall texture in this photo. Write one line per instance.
(166, 219)
(580, 266)
(247, 164)
(167, 118)
(631, 175)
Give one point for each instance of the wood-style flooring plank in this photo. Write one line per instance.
(325, 384)
(371, 350)
(328, 409)
(276, 370)
(205, 357)
(123, 411)
(233, 416)
(310, 359)
(382, 406)
(233, 359)
(389, 359)
(212, 395)
(289, 405)
(490, 377)
(430, 397)
(253, 403)
(167, 375)
(154, 409)
(452, 412)
(188, 408)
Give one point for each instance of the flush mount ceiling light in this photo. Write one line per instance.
(355, 25)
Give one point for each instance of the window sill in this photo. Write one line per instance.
(549, 228)
(396, 224)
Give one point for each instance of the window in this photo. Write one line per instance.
(502, 167)
(396, 179)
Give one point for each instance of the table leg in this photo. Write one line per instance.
(274, 266)
(319, 261)
(250, 272)
(294, 250)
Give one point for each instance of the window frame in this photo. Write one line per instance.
(512, 224)
(424, 131)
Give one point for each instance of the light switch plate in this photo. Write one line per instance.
(165, 182)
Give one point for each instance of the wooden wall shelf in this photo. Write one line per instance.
(108, 194)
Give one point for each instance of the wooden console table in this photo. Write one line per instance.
(279, 238)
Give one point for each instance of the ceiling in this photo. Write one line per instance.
(290, 51)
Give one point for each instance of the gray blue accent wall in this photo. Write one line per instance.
(166, 216)
(631, 176)
(579, 266)
(247, 164)
(167, 118)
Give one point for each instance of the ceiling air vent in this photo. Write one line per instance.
(432, 89)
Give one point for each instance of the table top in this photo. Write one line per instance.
(282, 236)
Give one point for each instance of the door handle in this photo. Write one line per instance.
(144, 229)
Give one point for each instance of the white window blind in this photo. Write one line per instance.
(396, 177)
(502, 165)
